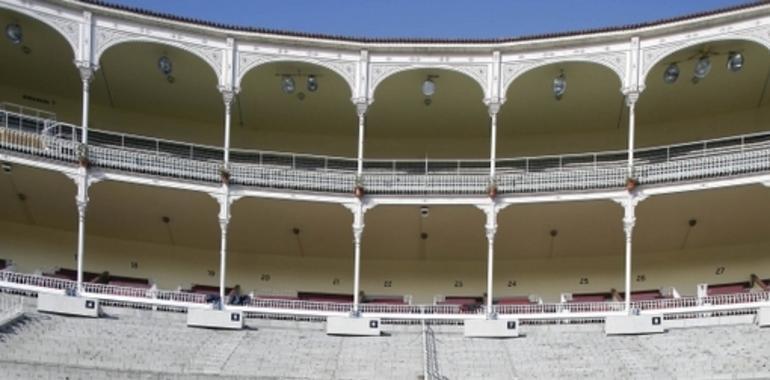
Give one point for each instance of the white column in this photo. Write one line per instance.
(491, 230)
(81, 200)
(227, 97)
(361, 108)
(494, 109)
(358, 230)
(86, 75)
(629, 220)
(631, 99)
(224, 220)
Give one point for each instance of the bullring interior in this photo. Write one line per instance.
(282, 247)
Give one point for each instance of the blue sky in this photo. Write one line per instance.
(430, 18)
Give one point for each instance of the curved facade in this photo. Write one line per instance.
(468, 169)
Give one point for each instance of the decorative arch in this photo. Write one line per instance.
(654, 55)
(514, 70)
(67, 28)
(378, 73)
(106, 39)
(247, 62)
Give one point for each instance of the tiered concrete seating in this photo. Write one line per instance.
(146, 344)
(583, 351)
(157, 345)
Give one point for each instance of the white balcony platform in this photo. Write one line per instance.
(68, 305)
(491, 328)
(215, 319)
(353, 326)
(763, 317)
(633, 324)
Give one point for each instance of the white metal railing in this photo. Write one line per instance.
(31, 281)
(33, 134)
(741, 303)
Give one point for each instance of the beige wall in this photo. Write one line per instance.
(706, 126)
(42, 249)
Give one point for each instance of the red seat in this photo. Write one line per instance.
(591, 297)
(737, 287)
(514, 301)
(325, 297)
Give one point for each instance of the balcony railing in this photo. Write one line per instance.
(686, 307)
(33, 135)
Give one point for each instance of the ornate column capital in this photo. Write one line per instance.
(228, 94)
(629, 204)
(493, 105)
(631, 96)
(362, 105)
(86, 70)
(491, 210)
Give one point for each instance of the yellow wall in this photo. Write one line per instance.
(509, 145)
(42, 249)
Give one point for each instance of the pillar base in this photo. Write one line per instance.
(763, 317)
(491, 328)
(634, 325)
(215, 319)
(68, 305)
(353, 326)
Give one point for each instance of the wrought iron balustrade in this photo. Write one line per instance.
(27, 134)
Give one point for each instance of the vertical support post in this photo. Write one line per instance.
(361, 108)
(224, 220)
(81, 200)
(358, 230)
(86, 76)
(631, 99)
(629, 204)
(491, 230)
(86, 67)
(227, 96)
(494, 108)
(629, 220)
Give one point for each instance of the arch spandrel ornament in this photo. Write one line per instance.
(478, 72)
(68, 28)
(616, 61)
(105, 38)
(248, 61)
(653, 55)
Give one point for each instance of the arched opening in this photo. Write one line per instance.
(295, 107)
(173, 244)
(724, 102)
(37, 70)
(546, 249)
(131, 93)
(404, 122)
(590, 115)
(280, 247)
(424, 251)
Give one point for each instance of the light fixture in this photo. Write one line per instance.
(312, 83)
(671, 74)
(734, 61)
(424, 211)
(287, 84)
(702, 68)
(559, 85)
(14, 33)
(429, 86)
(7, 167)
(165, 66)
